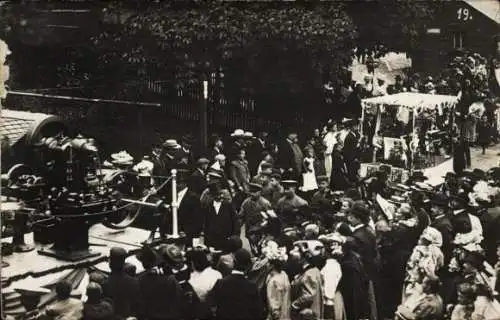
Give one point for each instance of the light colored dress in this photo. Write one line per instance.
(278, 296)
(309, 176)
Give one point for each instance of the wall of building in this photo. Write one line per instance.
(457, 26)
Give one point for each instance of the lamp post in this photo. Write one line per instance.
(204, 117)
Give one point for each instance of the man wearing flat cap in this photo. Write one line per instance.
(275, 191)
(264, 175)
(240, 174)
(291, 208)
(321, 201)
(254, 214)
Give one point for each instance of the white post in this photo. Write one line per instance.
(175, 230)
(413, 138)
(363, 105)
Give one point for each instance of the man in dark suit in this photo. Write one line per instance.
(359, 218)
(219, 220)
(198, 181)
(290, 158)
(239, 172)
(167, 158)
(256, 150)
(236, 297)
(364, 238)
(350, 150)
(440, 219)
(189, 212)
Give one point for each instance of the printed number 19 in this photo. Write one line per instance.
(464, 14)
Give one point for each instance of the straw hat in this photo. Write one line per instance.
(238, 133)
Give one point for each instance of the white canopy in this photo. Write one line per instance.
(411, 100)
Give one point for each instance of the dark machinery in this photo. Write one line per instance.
(63, 188)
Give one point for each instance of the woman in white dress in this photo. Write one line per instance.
(309, 176)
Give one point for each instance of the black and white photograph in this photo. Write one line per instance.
(250, 159)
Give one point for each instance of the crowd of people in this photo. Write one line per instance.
(279, 229)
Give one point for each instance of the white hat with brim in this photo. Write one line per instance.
(248, 135)
(171, 144)
(238, 133)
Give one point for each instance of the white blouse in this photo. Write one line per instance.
(331, 273)
(204, 281)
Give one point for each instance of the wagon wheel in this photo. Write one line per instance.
(16, 171)
(127, 212)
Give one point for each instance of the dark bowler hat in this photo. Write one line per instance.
(289, 183)
(418, 176)
(460, 201)
(360, 211)
(479, 174)
(440, 200)
(255, 187)
(188, 139)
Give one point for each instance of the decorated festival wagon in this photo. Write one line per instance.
(409, 131)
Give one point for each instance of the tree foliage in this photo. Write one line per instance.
(252, 43)
(390, 25)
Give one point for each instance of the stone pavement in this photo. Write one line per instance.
(478, 161)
